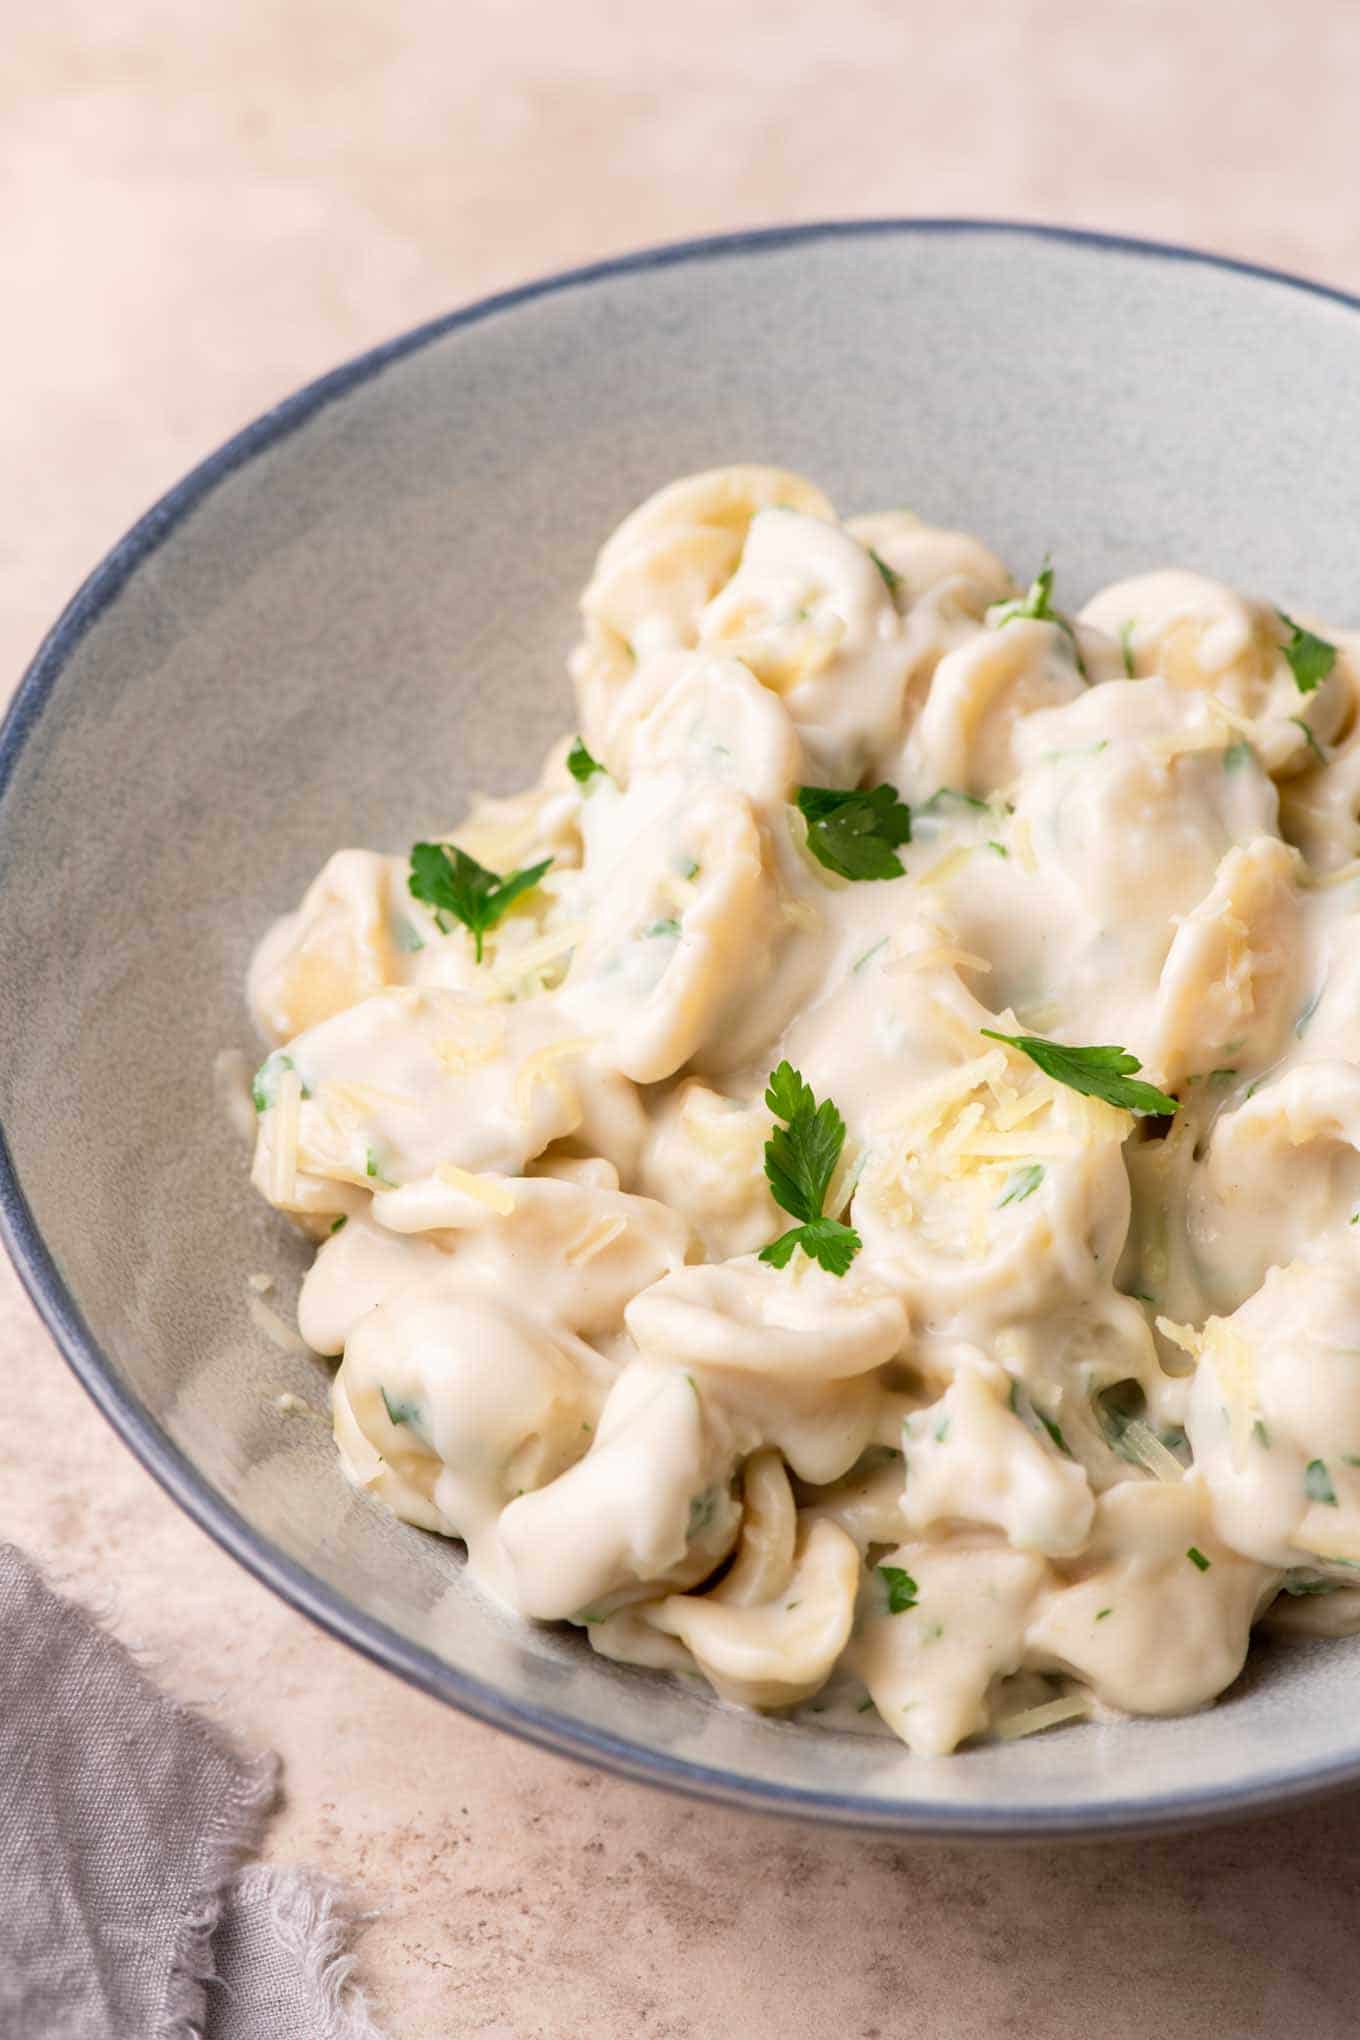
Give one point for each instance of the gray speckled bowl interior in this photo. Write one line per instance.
(357, 613)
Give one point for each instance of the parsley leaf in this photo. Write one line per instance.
(1197, 1558)
(451, 882)
(855, 833)
(580, 764)
(1037, 602)
(892, 580)
(399, 1412)
(1126, 631)
(901, 1588)
(1317, 1483)
(1021, 1185)
(1310, 657)
(1103, 1072)
(264, 1085)
(800, 1160)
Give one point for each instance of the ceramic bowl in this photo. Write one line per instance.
(357, 612)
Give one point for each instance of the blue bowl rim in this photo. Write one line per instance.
(163, 1459)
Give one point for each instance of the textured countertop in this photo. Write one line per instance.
(202, 208)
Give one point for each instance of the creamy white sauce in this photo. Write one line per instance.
(1088, 1395)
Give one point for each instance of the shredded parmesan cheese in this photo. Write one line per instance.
(541, 1068)
(594, 1241)
(496, 1196)
(1073, 1707)
(272, 1325)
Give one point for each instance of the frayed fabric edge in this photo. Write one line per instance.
(235, 1834)
(314, 1919)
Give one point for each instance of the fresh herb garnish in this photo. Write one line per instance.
(1261, 1434)
(800, 1160)
(1126, 631)
(373, 1168)
(1317, 1483)
(947, 793)
(407, 1413)
(581, 765)
(1022, 1184)
(264, 1085)
(1037, 603)
(1312, 742)
(1103, 1072)
(1197, 1558)
(855, 833)
(1101, 1613)
(892, 580)
(865, 1704)
(901, 1588)
(340, 1222)
(1310, 657)
(1024, 1407)
(451, 882)
(701, 1511)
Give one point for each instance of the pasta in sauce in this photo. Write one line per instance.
(849, 1186)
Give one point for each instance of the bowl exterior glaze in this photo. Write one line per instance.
(356, 613)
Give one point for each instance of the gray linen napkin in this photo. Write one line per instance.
(125, 1819)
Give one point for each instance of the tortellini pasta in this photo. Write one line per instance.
(848, 1188)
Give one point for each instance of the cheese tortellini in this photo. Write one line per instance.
(981, 1385)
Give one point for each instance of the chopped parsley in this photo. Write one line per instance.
(1317, 1483)
(855, 833)
(901, 1588)
(340, 1222)
(865, 1704)
(1030, 1414)
(1261, 1434)
(947, 793)
(1022, 1184)
(581, 765)
(869, 954)
(373, 1168)
(452, 883)
(1310, 657)
(800, 1160)
(1126, 631)
(670, 926)
(1312, 742)
(701, 1511)
(1103, 1072)
(264, 1085)
(1037, 603)
(892, 580)
(1101, 1613)
(1197, 1559)
(398, 1412)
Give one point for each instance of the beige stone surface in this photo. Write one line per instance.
(203, 205)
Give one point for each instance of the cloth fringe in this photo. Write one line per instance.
(314, 1919)
(234, 1835)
